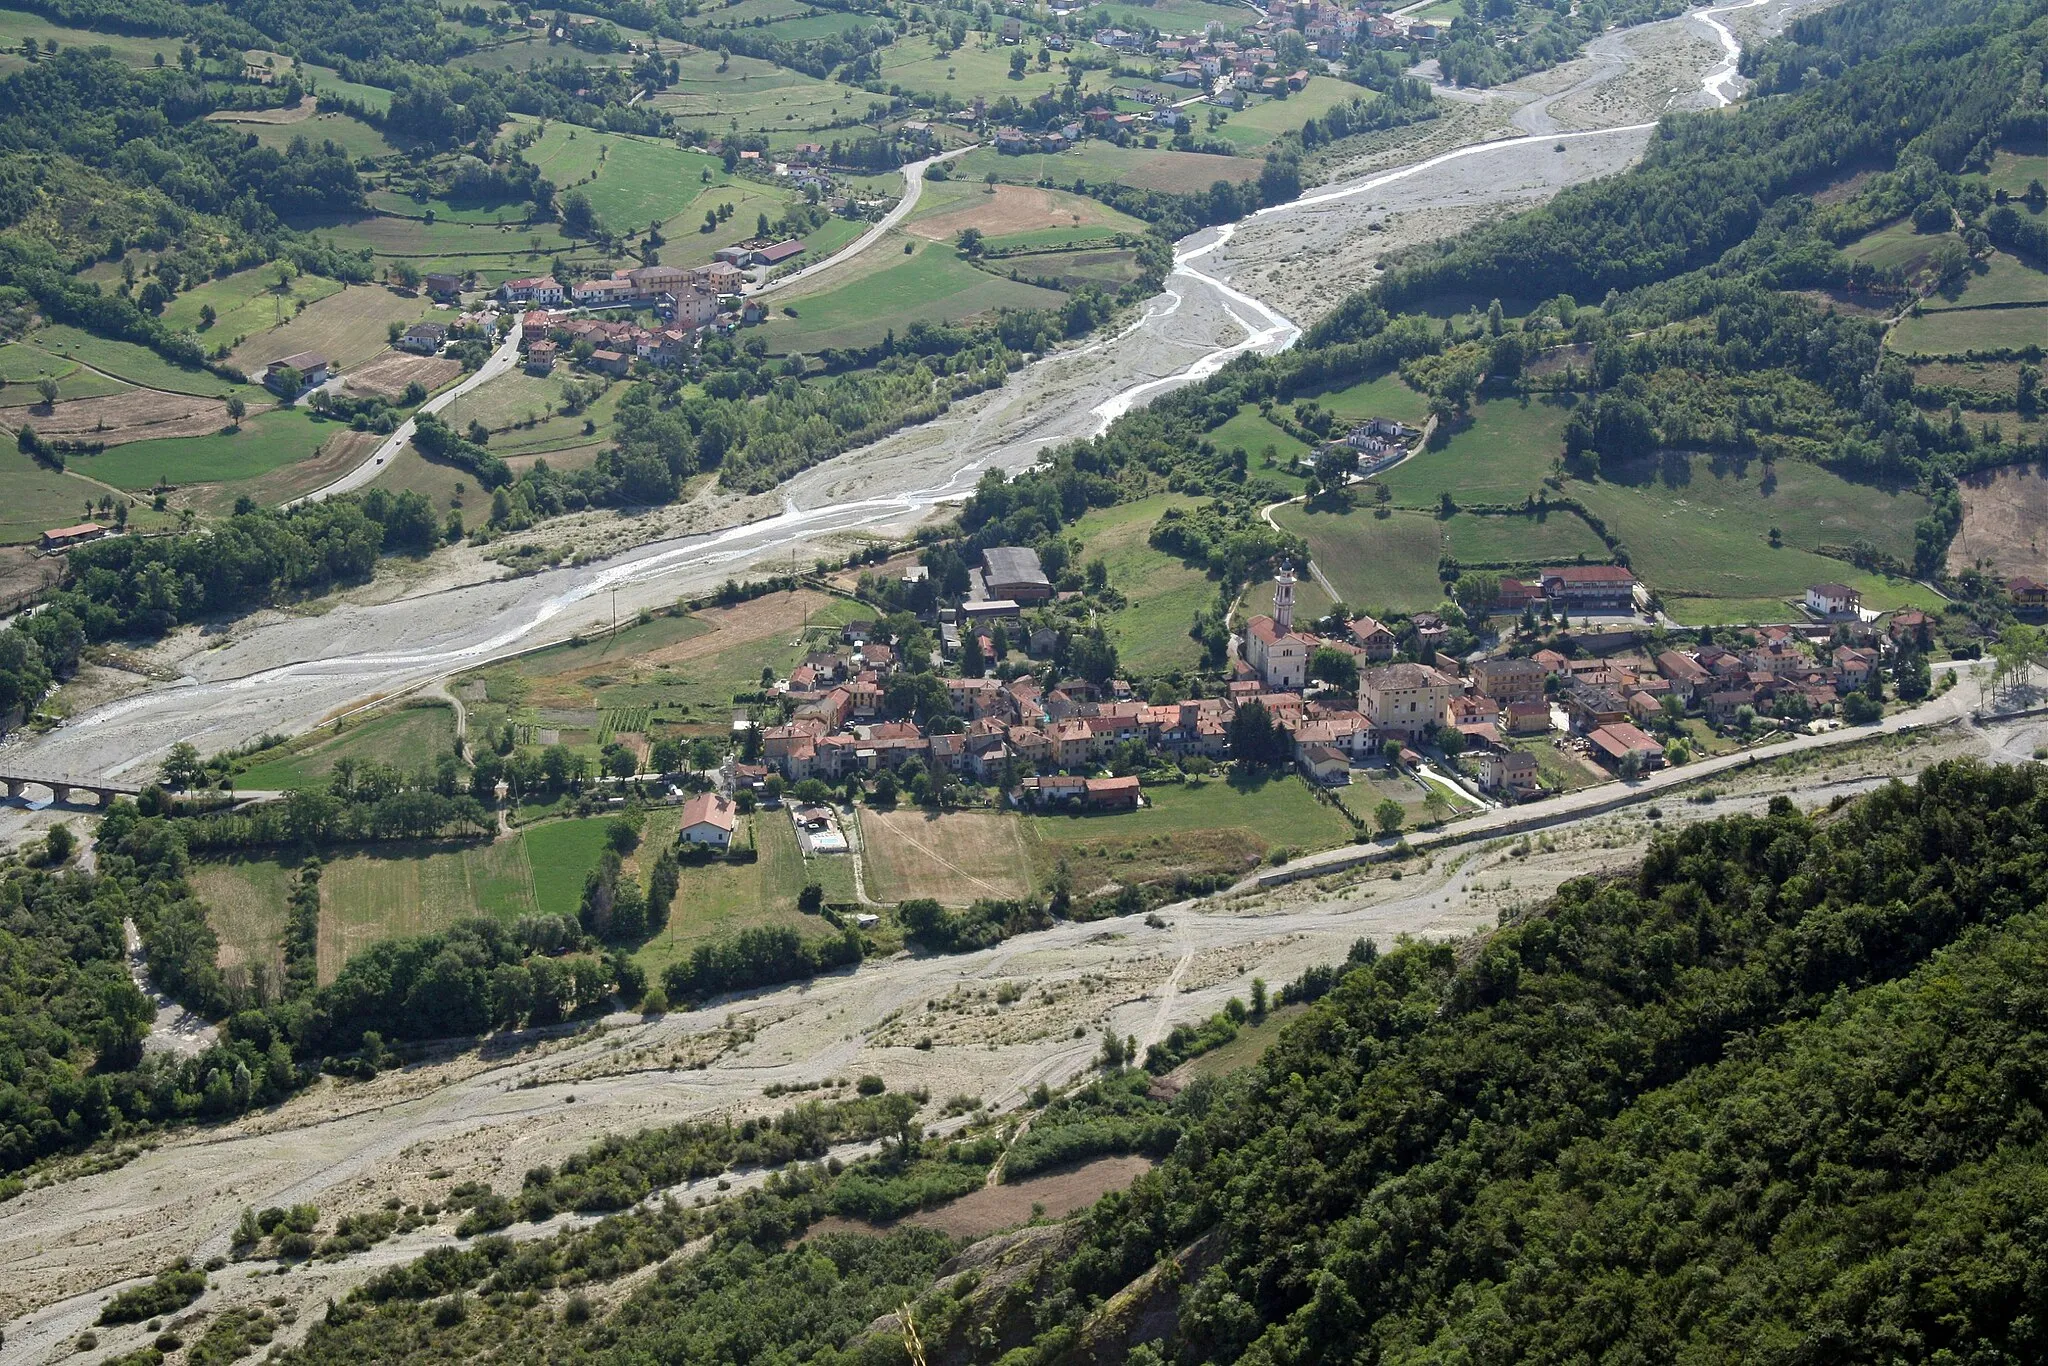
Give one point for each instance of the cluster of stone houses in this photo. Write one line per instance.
(691, 301)
(838, 726)
(615, 346)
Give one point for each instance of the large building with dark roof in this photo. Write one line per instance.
(1013, 572)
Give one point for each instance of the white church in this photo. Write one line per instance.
(1276, 652)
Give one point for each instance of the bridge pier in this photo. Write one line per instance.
(60, 793)
(14, 786)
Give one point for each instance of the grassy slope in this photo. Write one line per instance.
(266, 442)
(409, 738)
(1163, 595)
(931, 283)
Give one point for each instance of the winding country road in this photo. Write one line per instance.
(502, 360)
(913, 190)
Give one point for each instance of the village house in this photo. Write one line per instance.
(1507, 770)
(1854, 666)
(443, 287)
(611, 293)
(1685, 673)
(1509, 680)
(1617, 740)
(1324, 765)
(1589, 706)
(2028, 595)
(540, 357)
(709, 818)
(1591, 588)
(426, 339)
(1405, 699)
(1376, 640)
(1527, 718)
(544, 290)
(1833, 600)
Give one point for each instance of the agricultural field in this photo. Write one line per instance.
(932, 284)
(1376, 564)
(2012, 171)
(34, 498)
(633, 181)
(22, 364)
(407, 738)
(956, 858)
(1208, 827)
(982, 68)
(682, 670)
(137, 365)
(1533, 539)
(1254, 127)
(1099, 162)
(489, 252)
(345, 131)
(248, 302)
(17, 26)
(246, 902)
(384, 891)
(519, 398)
(764, 97)
(122, 416)
(349, 327)
(1954, 331)
(2005, 514)
(1250, 430)
(1015, 215)
(1161, 594)
(719, 899)
(266, 441)
(448, 487)
(1700, 527)
(1189, 17)
(1501, 456)
(1376, 783)
(2003, 280)
(388, 891)
(1387, 395)
(1897, 247)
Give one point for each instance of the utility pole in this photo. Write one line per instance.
(615, 614)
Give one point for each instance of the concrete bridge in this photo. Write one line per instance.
(62, 786)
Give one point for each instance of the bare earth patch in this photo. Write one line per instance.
(955, 859)
(1053, 1195)
(1012, 208)
(298, 113)
(138, 415)
(387, 376)
(2004, 511)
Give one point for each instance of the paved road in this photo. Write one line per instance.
(501, 360)
(1957, 703)
(913, 190)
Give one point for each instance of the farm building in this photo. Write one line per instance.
(1013, 572)
(63, 537)
(313, 369)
